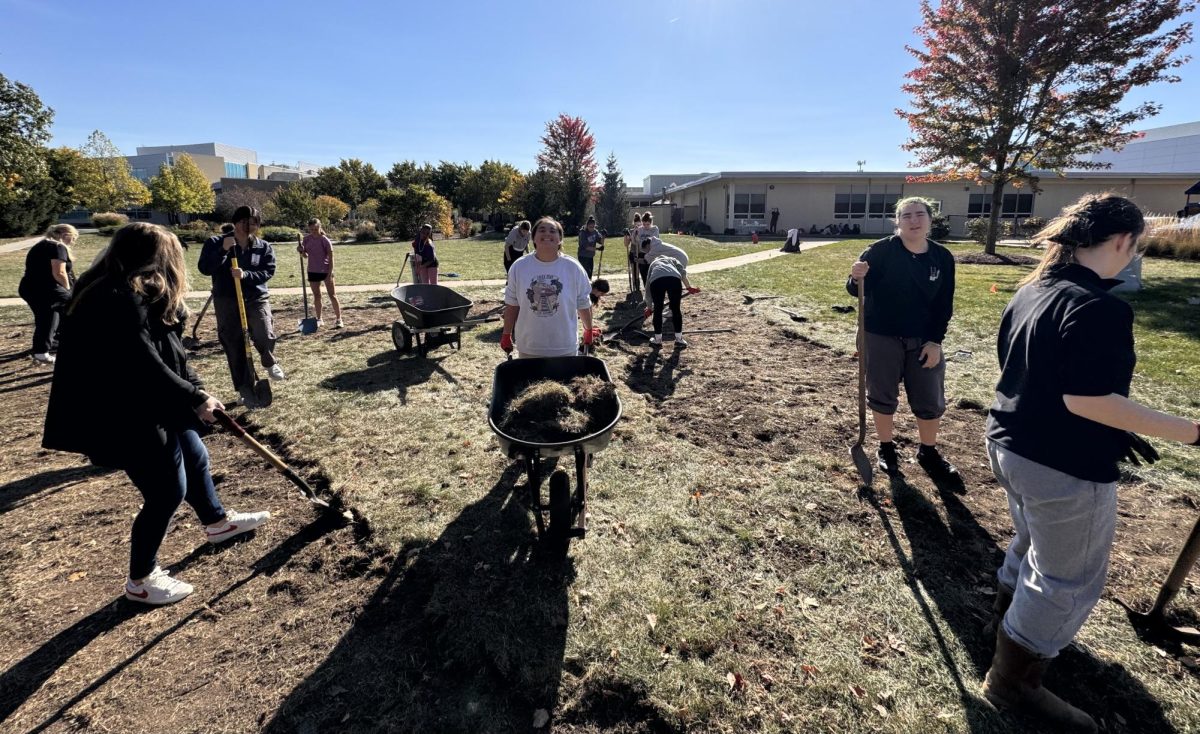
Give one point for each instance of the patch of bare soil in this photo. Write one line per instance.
(982, 258)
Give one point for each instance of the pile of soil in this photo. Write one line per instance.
(551, 412)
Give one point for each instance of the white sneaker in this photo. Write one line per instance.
(235, 524)
(44, 358)
(158, 588)
(339, 323)
(680, 342)
(656, 339)
(320, 323)
(276, 372)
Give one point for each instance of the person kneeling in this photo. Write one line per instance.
(121, 330)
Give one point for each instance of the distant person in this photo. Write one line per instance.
(516, 244)
(845, 231)
(317, 250)
(546, 298)
(121, 337)
(813, 230)
(792, 243)
(774, 220)
(855, 229)
(46, 286)
(590, 240)
(600, 289)
(653, 247)
(667, 277)
(256, 266)
(425, 263)
(647, 229)
(909, 301)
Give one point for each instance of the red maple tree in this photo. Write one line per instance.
(1008, 88)
(568, 149)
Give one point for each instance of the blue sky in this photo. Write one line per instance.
(670, 86)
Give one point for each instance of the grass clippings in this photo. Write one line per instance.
(551, 412)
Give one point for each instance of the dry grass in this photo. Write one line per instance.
(1169, 237)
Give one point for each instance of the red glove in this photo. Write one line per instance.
(506, 342)
(589, 337)
(693, 291)
(647, 313)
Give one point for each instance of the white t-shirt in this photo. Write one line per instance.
(550, 296)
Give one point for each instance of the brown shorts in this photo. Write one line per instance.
(894, 359)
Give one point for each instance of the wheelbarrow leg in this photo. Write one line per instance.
(533, 472)
(582, 461)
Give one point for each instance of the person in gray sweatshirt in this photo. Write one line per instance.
(666, 277)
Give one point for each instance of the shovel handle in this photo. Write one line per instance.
(232, 426)
(862, 361)
(1187, 558)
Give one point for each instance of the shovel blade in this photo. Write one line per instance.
(308, 326)
(862, 463)
(262, 393)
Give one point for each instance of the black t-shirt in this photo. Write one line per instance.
(38, 280)
(908, 294)
(1064, 335)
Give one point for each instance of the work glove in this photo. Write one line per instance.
(506, 343)
(646, 314)
(1138, 446)
(591, 336)
(693, 291)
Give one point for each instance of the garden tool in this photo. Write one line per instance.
(1154, 622)
(862, 462)
(193, 341)
(600, 262)
(401, 273)
(259, 390)
(307, 325)
(232, 426)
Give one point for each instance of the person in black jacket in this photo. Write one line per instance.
(256, 265)
(1061, 422)
(909, 301)
(121, 336)
(46, 286)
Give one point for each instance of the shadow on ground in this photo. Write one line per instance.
(391, 370)
(464, 634)
(44, 484)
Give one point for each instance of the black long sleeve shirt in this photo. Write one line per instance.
(907, 294)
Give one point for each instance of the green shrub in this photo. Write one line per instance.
(977, 229)
(279, 234)
(464, 227)
(109, 230)
(109, 219)
(366, 232)
(191, 234)
(339, 234)
(939, 230)
(1032, 225)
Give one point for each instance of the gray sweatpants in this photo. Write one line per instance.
(229, 333)
(894, 359)
(1057, 562)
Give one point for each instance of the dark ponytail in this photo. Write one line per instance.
(1089, 222)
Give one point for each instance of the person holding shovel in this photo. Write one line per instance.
(121, 336)
(425, 264)
(666, 277)
(909, 301)
(317, 250)
(1061, 421)
(256, 266)
(590, 240)
(546, 297)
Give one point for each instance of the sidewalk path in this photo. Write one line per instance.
(708, 267)
(20, 244)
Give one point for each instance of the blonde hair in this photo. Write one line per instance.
(56, 232)
(1089, 222)
(149, 259)
(320, 229)
(549, 220)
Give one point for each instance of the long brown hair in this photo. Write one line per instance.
(150, 260)
(1089, 222)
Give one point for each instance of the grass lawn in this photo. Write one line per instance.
(355, 264)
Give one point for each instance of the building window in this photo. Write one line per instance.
(137, 213)
(850, 202)
(1016, 205)
(141, 174)
(749, 206)
(882, 201)
(979, 205)
(236, 170)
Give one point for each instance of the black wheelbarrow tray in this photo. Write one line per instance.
(431, 315)
(567, 510)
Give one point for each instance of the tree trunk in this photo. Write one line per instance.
(989, 245)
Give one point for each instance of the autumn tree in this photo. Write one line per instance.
(568, 155)
(294, 203)
(1006, 88)
(181, 189)
(612, 209)
(490, 189)
(330, 210)
(336, 182)
(33, 185)
(106, 181)
(403, 211)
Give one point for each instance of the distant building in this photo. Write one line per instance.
(653, 186)
(1170, 149)
(218, 161)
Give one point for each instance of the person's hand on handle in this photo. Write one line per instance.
(647, 313)
(591, 336)
(506, 342)
(858, 271)
(692, 290)
(931, 354)
(228, 242)
(205, 410)
(1139, 447)
(237, 273)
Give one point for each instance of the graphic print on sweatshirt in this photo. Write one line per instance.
(543, 294)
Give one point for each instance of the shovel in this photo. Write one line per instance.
(307, 325)
(401, 273)
(232, 426)
(193, 341)
(1154, 622)
(862, 462)
(260, 389)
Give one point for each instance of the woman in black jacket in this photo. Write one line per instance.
(909, 301)
(46, 286)
(121, 336)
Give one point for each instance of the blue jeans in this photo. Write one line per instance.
(1057, 561)
(166, 478)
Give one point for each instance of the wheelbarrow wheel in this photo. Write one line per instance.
(401, 337)
(558, 534)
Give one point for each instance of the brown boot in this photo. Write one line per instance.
(1000, 605)
(1015, 682)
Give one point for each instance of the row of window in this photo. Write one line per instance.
(1013, 205)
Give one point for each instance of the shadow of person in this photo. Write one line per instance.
(465, 634)
(650, 373)
(14, 494)
(24, 679)
(955, 556)
(388, 370)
